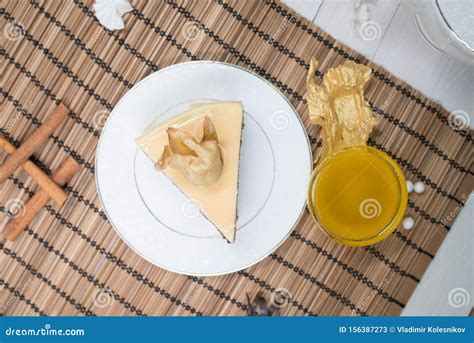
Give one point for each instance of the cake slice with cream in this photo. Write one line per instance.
(199, 151)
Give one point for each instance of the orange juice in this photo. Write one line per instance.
(358, 195)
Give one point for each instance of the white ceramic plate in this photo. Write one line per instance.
(156, 220)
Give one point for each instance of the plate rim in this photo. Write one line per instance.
(96, 159)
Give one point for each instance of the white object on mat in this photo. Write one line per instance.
(110, 12)
(419, 187)
(408, 223)
(410, 186)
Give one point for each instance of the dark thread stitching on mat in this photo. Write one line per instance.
(47, 92)
(417, 173)
(66, 223)
(41, 277)
(255, 29)
(81, 44)
(391, 119)
(427, 216)
(373, 251)
(268, 287)
(343, 300)
(90, 167)
(412, 244)
(21, 185)
(350, 270)
(83, 273)
(45, 169)
(392, 265)
(56, 139)
(20, 296)
(422, 138)
(119, 40)
(65, 69)
(110, 256)
(96, 210)
(167, 36)
(113, 258)
(63, 221)
(221, 294)
(259, 70)
(35, 121)
(377, 74)
(85, 10)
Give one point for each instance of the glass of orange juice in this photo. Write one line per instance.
(358, 195)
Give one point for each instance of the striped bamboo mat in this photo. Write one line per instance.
(71, 262)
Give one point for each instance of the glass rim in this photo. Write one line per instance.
(382, 233)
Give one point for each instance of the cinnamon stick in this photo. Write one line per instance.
(27, 149)
(61, 176)
(44, 181)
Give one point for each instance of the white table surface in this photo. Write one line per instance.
(402, 51)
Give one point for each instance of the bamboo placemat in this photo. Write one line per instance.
(71, 262)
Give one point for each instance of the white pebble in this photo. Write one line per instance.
(419, 187)
(408, 223)
(410, 186)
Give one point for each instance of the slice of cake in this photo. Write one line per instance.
(199, 151)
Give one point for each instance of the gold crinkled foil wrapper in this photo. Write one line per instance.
(339, 107)
(200, 161)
